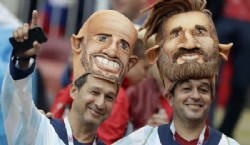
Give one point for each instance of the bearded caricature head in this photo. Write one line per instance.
(104, 46)
(187, 46)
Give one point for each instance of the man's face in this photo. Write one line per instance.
(189, 51)
(191, 100)
(108, 48)
(94, 101)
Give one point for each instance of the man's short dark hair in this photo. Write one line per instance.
(81, 80)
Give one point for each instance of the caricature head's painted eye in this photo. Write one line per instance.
(102, 38)
(124, 45)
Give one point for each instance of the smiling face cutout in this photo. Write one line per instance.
(188, 50)
(104, 46)
(186, 43)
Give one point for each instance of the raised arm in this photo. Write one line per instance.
(22, 120)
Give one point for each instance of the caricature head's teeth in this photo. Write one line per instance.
(99, 59)
(190, 57)
(105, 61)
(110, 63)
(116, 65)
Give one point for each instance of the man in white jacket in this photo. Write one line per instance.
(188, 54)
(190, 100)
(102, 54)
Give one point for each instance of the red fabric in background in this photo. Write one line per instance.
(224, 87)
(143, 104)
(151, 1)
(167, 107)
(62, 99)
(237, 9)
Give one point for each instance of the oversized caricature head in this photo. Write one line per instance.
(187, 45)
(104, 46)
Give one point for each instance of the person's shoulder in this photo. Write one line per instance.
(232, 141)
(57, 123)
(227, 140)
(138, 137)
(144, 131)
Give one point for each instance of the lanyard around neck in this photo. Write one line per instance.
(69, 132)
(201, 137)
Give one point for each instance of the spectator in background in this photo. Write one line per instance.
(147, 104)
(146, 96)
(233, 25)
(66, 77)
(131, 9)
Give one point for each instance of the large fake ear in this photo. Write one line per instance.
(152, 54)
(132, 61)
(76, 43)
(73, 91)
(224, 50)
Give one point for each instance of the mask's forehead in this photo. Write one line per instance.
(113, 25)
(188, 20)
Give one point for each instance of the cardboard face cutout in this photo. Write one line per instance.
(187, 47)
(104, 46)
(188, 51)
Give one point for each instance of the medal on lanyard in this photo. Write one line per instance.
(69, 132)
(201, 138)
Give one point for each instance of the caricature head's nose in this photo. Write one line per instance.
(189, 41)
(112, 48)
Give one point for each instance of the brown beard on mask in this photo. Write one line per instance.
(189, 70)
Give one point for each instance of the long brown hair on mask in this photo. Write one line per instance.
(161, 10)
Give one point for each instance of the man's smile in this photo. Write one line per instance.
(95, 112)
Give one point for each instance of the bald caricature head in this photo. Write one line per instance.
(187, 46)
(104, 46)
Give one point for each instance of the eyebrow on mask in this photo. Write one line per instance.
(109, 35)
(176, 29)
(200, 27)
